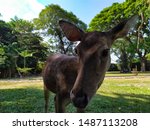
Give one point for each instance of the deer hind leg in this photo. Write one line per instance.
(46, 97)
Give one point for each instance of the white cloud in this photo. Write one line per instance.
(26, 9)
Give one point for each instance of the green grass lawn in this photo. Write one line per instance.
(118, 93)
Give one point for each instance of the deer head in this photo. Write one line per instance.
(93, 53)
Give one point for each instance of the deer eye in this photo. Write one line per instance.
(105, 52)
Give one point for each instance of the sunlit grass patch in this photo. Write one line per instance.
(6, 84)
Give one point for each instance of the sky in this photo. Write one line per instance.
(85, 10)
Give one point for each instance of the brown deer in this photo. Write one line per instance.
(76, 78)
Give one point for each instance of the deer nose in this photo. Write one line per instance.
(80, 99)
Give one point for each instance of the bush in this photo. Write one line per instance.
(113, 67)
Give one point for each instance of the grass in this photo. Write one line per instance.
(119, 93)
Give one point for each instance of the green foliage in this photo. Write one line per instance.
(21, 25)
(136, 43)
(101, 22)
(21, 47)
(7, 54)
(40, 65)
(111, 16)
(2, 56)
(148, 56)
(29, 45)
(6, 35)
(48, 22)
(49, 17)
(24, 70)
(26, 53)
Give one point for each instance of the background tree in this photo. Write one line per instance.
(25, 70)
(122, 49)
(7, 55)
(19, 36)
(116, 13)
(48, 22)
(28, 40)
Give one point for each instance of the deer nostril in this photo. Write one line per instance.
(72, 94)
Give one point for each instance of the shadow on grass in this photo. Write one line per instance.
(30, 100)
(21, 100)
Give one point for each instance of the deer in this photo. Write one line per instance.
(76, 79)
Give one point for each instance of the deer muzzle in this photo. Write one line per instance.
(80, 99)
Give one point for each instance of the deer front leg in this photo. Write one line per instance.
(61, 101)
(59, 104)
(62, 94)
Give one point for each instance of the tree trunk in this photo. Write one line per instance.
(124, 63)
(143, 64)
(139, 37)
(9, 72)
(61, 44)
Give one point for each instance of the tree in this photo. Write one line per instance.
(121, 50)
(25, 70)
(48, 22)
(28, 40)
(116, 13)
(18, 38)
(7, 55)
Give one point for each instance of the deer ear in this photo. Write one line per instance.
(72, 32)
(123, 28)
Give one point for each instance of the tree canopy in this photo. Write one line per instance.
(139, 45)
(16, 38)
(25, 45)
(23, 49)
(48, 22)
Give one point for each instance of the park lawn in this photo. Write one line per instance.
(124, 94)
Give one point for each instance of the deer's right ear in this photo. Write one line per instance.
(72, 32)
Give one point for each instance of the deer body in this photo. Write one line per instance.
(76, 78)
(60, 72)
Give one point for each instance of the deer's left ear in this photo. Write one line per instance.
(72, 32)
(123, 28)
